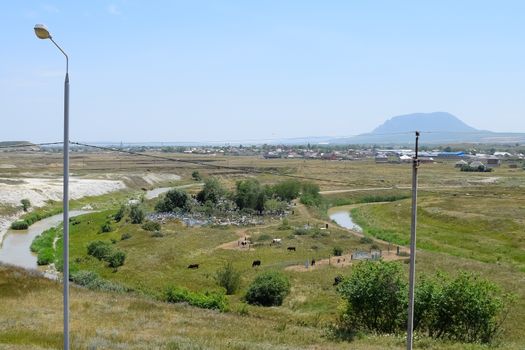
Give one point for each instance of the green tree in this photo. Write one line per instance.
(287, 190)
(120, 213)
(268, 289)
(26, 204)
(310, 194)
(137, 214)
(274, 206)
(211, 192)
(250, 195)
(228, 278)
(175, 199)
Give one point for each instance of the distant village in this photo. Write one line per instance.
(481, 155)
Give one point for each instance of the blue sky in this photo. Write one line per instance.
(238, 70)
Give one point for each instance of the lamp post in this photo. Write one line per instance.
(43, 33)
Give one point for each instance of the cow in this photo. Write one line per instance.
(256, 263)
(276, 241)
(193, 266)
(313, 262)
(291, 249)
(338, 279)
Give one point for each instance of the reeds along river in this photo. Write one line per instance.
(15, 248)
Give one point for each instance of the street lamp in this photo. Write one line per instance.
(43, 33)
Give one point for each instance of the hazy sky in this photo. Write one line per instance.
(237, 70)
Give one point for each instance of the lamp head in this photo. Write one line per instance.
(42, 32)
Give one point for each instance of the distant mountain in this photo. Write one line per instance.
(435, 128)
(437, 121)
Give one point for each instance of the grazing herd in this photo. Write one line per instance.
(256, 263)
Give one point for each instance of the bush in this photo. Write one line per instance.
(149, 225)
(157, 234)
(376, 297)
(337, 251)
(465, 308)
(207, 300)
(19, 225)
(45, 256)
(26, 204)
(196, 176)
(366, 240)
(91, 280)
(120, 213)
(125, 236)
(268, 289)
(106, 227)
(228, 278)
(310, 194)
(116, 259)
(137, 214)
(99, 249)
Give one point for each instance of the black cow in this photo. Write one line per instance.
(313, 262)
(291, 249)
(256, 263)
(193, 266)
(337, 280)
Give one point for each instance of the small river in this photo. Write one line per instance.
(341, 215)
(15, 247)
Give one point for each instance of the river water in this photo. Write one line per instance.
(15, 247)
(342, 216)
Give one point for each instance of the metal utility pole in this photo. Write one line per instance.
(42, 32)
(412, 274)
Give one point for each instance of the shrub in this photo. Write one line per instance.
(116, 259)
(120, 213)
(310, 194)
(92, 280)
(301, 231)
(157, 234)
(19, 225)
(207, 300)
(196, 176)
(106, 227)
(99, 249)
(268, 289)
(376, 298)
(366, 240)
(285, 225)
(125, 236)
(228, 278)
(45, 256)
(137, 214)
(337, 251)
(465, 308)
(26, 204)
(149, 225)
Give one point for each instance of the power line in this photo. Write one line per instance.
(31, 144)
(206, 164)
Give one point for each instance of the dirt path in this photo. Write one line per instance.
(243, 236)
(342, 261)
(405, 187)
